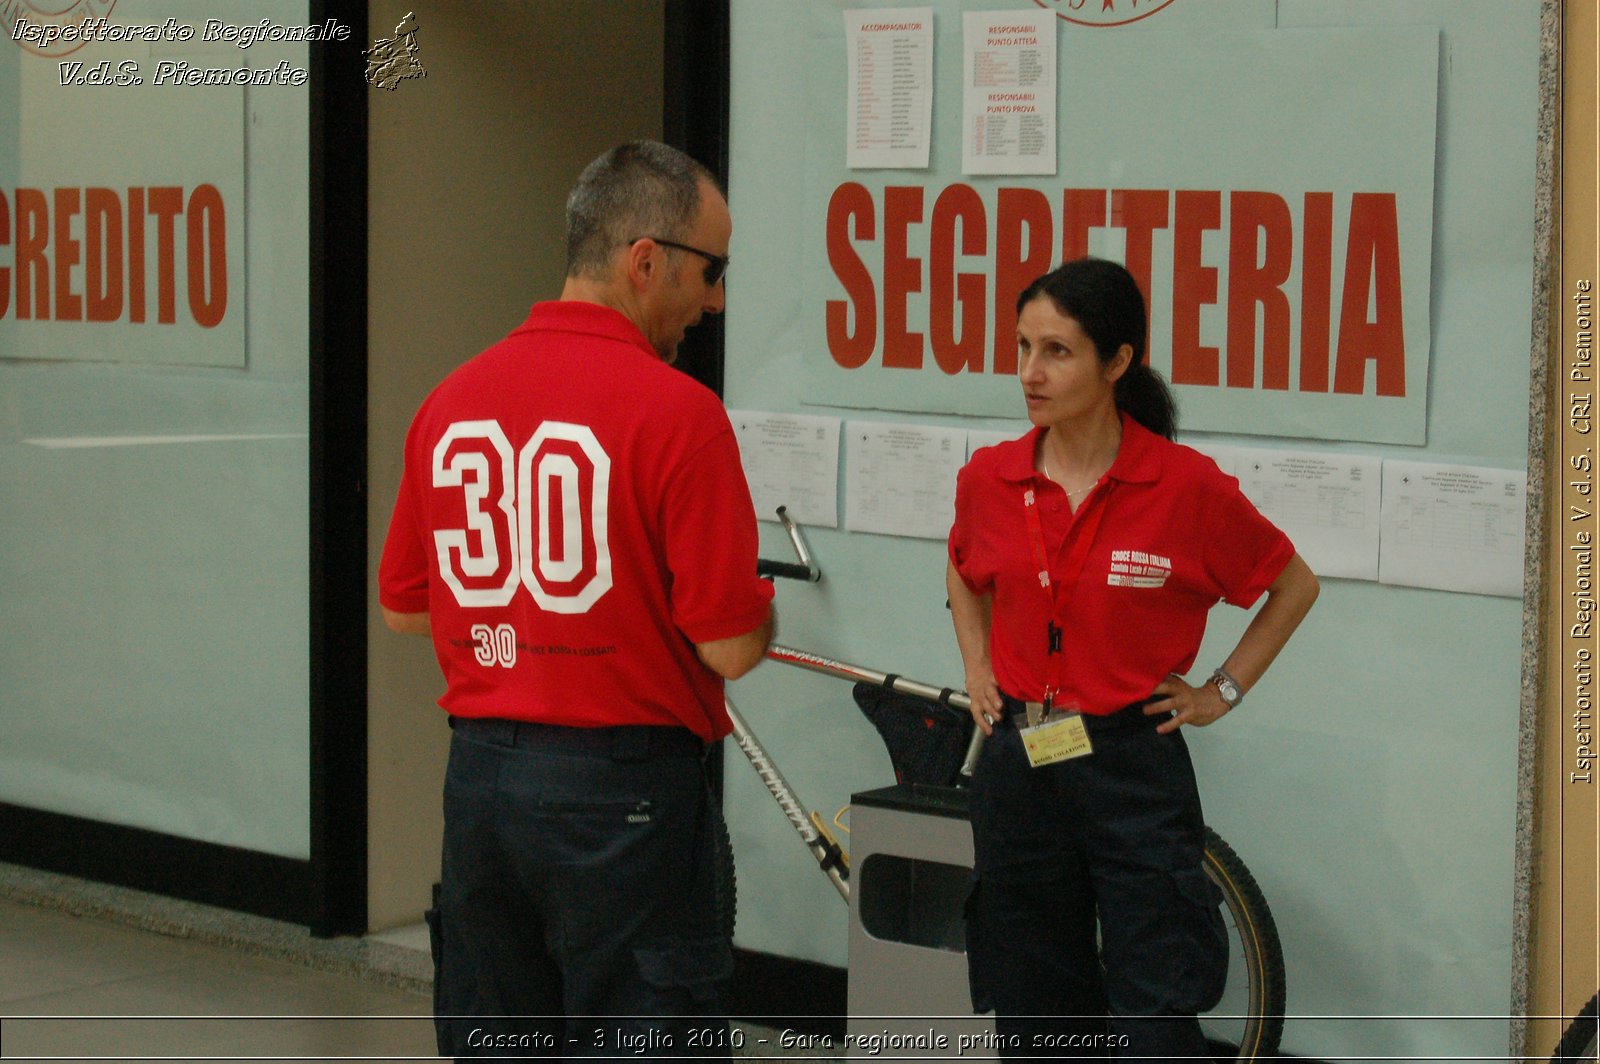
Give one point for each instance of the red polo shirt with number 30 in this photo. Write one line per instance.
(574, 518)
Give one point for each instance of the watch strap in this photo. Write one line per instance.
(1222, 680)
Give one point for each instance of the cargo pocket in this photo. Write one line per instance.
(1206, 938)
(979, 955)
(443, 1027)
(686, 976)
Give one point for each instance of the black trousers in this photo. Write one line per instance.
(1112, 841)
(577, 914)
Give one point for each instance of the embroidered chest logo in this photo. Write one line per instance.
(1136, 568)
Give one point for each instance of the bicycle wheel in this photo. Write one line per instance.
(1248, 1022)
(1578, 1044)
(724, 882)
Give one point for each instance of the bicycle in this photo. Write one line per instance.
(1248, 1022)
(1578, 1044)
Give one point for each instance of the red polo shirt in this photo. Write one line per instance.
(1173, 536)
(574, 518)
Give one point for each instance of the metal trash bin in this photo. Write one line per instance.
(910, 868)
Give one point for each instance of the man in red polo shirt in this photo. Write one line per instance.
(574, 530)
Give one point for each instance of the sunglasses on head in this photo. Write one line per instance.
(716, 265)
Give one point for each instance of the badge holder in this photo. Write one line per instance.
(1054, 735)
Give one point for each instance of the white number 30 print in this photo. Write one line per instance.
(495, 646)
(536, 519)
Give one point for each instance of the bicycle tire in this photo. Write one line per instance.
(1255, 935)
(724, 880)
(1577, 1045)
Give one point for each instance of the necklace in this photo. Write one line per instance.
(1070, 492)
(1044, 463)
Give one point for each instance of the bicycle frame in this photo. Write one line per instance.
(830, 856)
(827, 852)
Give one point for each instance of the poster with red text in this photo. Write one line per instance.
(1284, 247)
(122, 196)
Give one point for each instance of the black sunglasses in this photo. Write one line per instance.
(716, 265)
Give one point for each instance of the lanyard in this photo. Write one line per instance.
(1076, 557)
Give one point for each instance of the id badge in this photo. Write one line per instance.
(1060, 737)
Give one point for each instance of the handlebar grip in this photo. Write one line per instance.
(789, 570)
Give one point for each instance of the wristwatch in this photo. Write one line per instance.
(1227, 687)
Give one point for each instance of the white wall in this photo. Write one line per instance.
(1369, 781)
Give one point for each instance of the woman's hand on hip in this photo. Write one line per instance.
(1194, 706)
(987, 705)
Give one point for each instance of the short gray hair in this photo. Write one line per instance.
(642, 188)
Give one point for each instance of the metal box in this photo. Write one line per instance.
(910, 870)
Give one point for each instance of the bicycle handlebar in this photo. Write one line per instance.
(788, 570)
(805, 570)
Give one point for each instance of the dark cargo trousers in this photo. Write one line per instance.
(577, 913)
(1118, 833)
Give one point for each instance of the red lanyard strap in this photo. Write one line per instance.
(1087, 526)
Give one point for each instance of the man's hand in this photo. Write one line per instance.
(407, 623)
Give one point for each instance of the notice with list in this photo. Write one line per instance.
(889, 87)
(1327, 504)
(1009, 77)
(900, 480)
(1456, 528)
(792, 461)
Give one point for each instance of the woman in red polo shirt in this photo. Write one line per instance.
(1084, 559)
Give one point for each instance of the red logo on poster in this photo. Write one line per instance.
(51, 27)
(1103, 12)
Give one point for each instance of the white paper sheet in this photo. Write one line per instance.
(1009, 81)
(900, 480)
(1328, 504)
(1455, 528)
(1226, 457)
(790, 460)
(989, 437)
(889, 87)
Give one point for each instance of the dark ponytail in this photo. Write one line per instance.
(1104, 299)
(1147, 399)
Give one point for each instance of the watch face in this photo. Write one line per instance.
(1230, 693)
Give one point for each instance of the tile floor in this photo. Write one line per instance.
(76, 986)
(93, 972)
